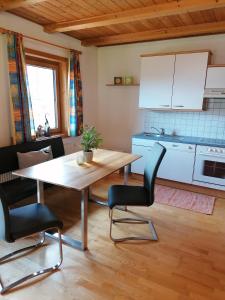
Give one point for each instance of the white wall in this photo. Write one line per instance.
(118, 113)
(88, 67)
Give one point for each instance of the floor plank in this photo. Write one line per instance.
(188, 261)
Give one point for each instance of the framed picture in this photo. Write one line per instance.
(118, 80)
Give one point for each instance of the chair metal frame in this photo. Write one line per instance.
(4, 289)
(149, 182)
(154, 236)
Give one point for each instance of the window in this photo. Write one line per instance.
(43, 78)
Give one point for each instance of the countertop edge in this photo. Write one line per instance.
(184, 140)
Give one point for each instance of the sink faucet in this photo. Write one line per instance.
(161, 131)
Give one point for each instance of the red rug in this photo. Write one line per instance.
(184, 199)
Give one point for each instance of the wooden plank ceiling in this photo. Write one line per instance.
(110, 22)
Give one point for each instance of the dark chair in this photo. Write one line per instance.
(125, 195)
(24, 221)
(18, 189)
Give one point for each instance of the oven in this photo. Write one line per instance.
(210, 165)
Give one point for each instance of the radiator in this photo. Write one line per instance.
(7, 177)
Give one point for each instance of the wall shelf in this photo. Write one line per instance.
(111, 84)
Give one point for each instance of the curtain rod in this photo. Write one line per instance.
(3, 30)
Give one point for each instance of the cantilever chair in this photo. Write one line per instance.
(22, 222)
(125, 195)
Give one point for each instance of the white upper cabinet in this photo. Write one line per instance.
(215, 78)
(189, 80)
(174, 81)
(156, 81)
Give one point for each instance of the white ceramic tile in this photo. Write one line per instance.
(210, 123)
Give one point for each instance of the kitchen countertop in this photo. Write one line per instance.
(183, 139)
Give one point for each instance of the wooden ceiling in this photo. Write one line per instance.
(110, 22)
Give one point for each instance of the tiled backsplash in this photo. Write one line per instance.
(209, 123)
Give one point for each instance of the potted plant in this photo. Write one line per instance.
(91, 139)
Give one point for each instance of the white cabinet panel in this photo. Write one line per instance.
(139, 165)
(215, 78)
(189, 80)
(156, 81)
(177, 164)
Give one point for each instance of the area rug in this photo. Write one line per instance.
(184, 199)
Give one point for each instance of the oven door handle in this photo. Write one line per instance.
(212, 155)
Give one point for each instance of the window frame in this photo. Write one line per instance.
(46, 60)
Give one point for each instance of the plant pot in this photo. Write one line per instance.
(88, 156)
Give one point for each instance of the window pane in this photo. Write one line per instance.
(43, 95)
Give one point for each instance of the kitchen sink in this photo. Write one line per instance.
(156, 134)
(164, 136)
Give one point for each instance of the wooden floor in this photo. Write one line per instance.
(188, 261)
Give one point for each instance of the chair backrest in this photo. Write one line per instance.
(4, 220)
(151, 169)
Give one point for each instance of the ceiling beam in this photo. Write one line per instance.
(159, 34)
(12, 4)
(149, 12)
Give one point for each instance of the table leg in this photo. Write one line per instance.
(40, 191)
(84, 218)
(103, 203)
(83, 243)
(125, 181)
(126, 173)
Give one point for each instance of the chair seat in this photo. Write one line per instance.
(30, 219)
(128, 195)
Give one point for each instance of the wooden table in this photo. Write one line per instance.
(65, 171)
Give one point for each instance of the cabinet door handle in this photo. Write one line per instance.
(178, 105)
(174, 145)
(165, 105)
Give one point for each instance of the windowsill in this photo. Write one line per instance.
(55, 135)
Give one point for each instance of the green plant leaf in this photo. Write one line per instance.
(91, 139)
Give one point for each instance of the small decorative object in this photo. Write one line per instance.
(118, 80)
(91, 139)
(80, 160)
(47, 127)
(128, 80)
(40, 131)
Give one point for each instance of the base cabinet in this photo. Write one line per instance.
(177, 164)
(139, 165)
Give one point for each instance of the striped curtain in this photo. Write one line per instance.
(75, 92)
(21, 109)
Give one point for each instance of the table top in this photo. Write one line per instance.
(65, 171)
